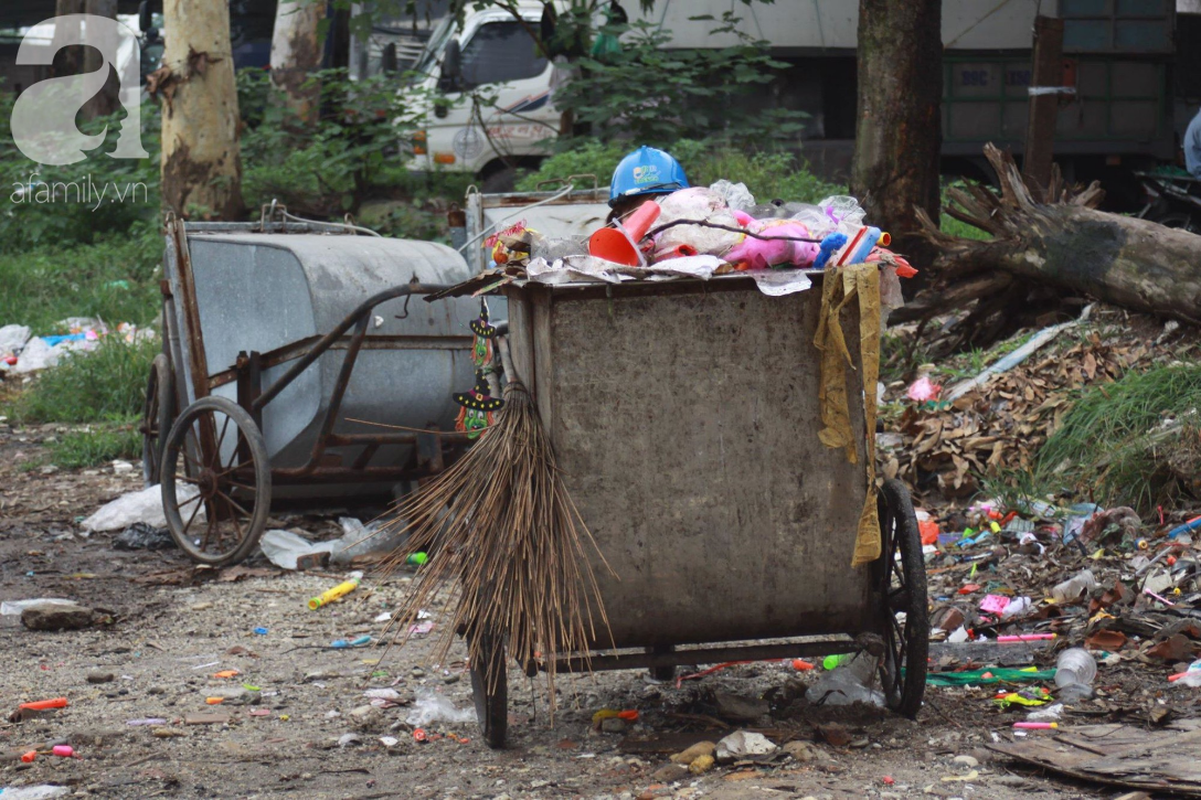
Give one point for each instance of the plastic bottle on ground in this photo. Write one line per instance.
(1070, 590)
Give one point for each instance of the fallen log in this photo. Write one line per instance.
(1055, 236)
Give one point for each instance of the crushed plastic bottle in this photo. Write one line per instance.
(430, 709)
(1072, 589)
(1190, 677)
(852, 681)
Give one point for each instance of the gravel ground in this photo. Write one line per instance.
(166, 629)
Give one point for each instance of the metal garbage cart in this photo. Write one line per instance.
(283, 341)
(684, 416)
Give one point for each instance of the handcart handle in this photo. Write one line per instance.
(328, 340)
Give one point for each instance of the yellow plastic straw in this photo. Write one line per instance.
(330, 595)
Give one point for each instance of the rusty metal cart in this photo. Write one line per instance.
(253, 317)
(684, 415)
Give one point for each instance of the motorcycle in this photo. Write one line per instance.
(1172, 200)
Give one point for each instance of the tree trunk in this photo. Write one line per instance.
(897, 138)
(1126, 261)
(202, 169)
(296, 54)
(68, 59)
(107, 100)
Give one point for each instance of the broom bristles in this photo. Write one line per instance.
(510, 544)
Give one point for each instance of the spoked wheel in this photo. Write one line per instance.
(157, 412)
(901, 577)
(216, 482)
(490, 689)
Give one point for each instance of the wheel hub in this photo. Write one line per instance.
(207, 483)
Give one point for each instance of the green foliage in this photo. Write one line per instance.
(768, 174)
(352, 153)
(115, 279)
(1119, 442)
(96, 446)
(78, 203)
(106, 384)
(650, 94)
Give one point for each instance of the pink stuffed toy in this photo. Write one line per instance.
(752, 253)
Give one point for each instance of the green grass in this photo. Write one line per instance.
(106, 384)
(96, 446)
(1112, 446)
(951, 226)
(115, 279)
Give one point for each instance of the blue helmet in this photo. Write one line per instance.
(647, 170)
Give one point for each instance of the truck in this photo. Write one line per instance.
(1119, 58)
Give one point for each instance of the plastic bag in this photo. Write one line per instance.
(283, 548)
(14, 607)
(359, 539)
(736, 196)
(141, 506)
(702, 205)
(430, 708)
(43, 792)
(848, 683)
(843, 211)
(38, 355)
(13, 338)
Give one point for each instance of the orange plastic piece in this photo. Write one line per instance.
(42, 705)
(214, 701)
(28, 758)
(226, 673)
(801, 665)
(628, 716)
(929, 531)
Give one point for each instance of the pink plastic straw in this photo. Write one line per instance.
(1165, 601)
(1027, 637)
(1036, 726)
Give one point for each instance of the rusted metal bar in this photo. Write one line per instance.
(356, 316)
(299, 476)
(297, 349)
(365, 457)
(710, 655)
(335, 400)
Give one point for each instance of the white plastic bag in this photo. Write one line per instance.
(430, 708)
(14, 607)
(736, 195)
(848, 683)
(283, 548)
(13, 338)
(37, 355)
(141, 506)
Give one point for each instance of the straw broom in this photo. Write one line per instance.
(509, 543)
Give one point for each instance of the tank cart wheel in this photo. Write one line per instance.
(217, 458)
(158, 410)
(902, 588)
(490, 689)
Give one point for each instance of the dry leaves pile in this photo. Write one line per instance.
(943, 453)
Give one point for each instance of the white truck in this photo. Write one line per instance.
(1120, 54)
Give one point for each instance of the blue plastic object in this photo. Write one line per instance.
(647, 170)
(830, 245)
(1192, 524)
(342, 644)
(864, 247)
(261, 631)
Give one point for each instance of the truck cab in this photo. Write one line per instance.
(497, 85)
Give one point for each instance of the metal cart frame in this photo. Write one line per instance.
(731, 540)
(234, 486)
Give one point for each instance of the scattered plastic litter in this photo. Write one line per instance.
(140, 536)
(145, 506)
(430, 708)
(850, 682)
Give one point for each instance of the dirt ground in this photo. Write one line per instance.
(168, 629)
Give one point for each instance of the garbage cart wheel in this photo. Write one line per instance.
(158, 410)
(217, 458)
(490, 689)
(902, 588)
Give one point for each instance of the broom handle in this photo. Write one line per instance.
(506, 360)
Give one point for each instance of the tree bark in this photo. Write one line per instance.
(107, 100)
(1126, 261)
(68, 60)
(201, 167)
(898, 134)
(296, 54)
